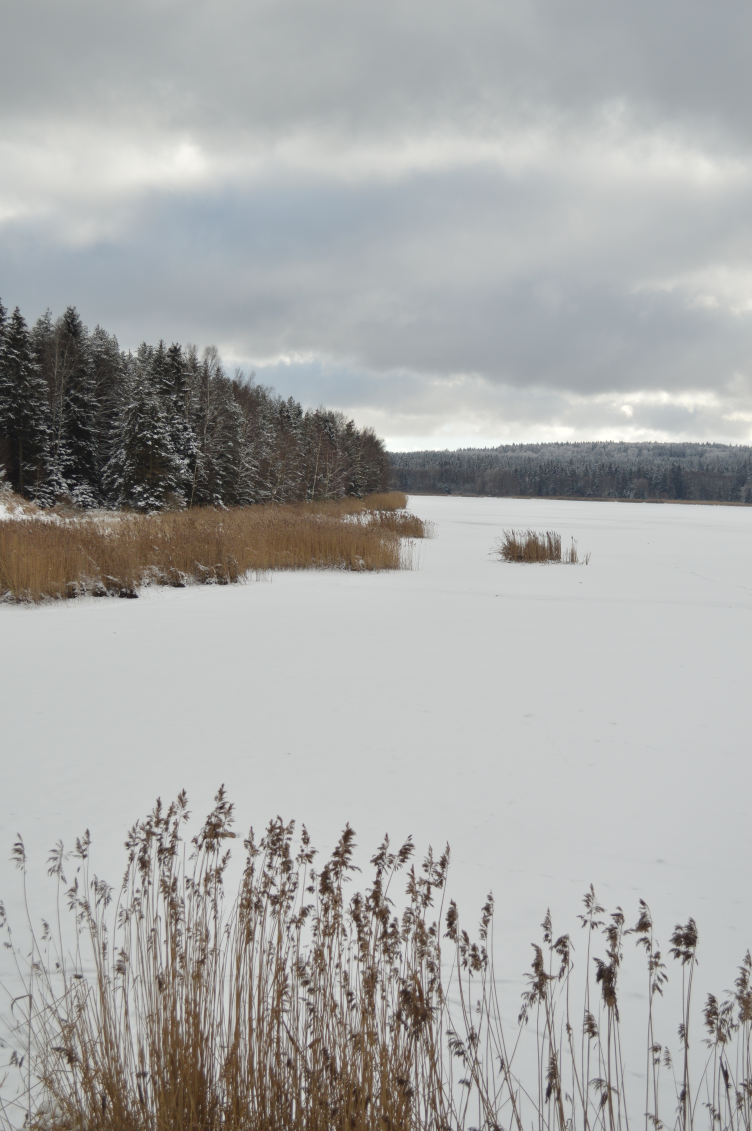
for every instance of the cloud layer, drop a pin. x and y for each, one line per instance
(463, 222)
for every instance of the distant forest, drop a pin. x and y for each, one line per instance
(83, 421)
(709, 472)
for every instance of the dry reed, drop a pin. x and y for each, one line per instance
(533, 546)
(296, 1008)
(45, 556)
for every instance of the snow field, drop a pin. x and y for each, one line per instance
(558, 725)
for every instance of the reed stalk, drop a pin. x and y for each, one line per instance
(299, 1004)
(45, 555)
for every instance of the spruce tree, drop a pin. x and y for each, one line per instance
(109, 371)
(257, 407)
(63, 351)
(82, 420)
(25, 427)
(144, 471)
(357, 477)
(288, 463)
(4, 389)
(376, 468)
(217, 425)
(173, 372)
(4, 400)
(79, 412)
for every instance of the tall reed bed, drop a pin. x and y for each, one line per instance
(53, 556)
(295, 1006)
(536, 546)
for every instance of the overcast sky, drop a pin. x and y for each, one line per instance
(461, 221)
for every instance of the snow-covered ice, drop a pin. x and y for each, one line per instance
(557, 725)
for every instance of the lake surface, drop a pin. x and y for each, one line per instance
(558, 725)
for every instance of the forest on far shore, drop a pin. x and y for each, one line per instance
(85, 422)
(597, 470)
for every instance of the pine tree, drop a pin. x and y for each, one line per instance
(25, 427)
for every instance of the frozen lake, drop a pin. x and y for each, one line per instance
(558, 725)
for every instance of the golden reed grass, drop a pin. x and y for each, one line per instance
(297, 1007)
(533, 546)
(52, 556)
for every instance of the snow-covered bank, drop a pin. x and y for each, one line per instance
(557, 724)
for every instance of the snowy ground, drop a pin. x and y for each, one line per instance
(558, 725)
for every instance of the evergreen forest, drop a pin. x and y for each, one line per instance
(84, 422)
(598, 470)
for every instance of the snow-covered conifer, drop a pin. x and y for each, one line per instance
(79, 412)
(258, 408)
(4, 388)
(64, 354)
(174, 385)
(357, 473)
(25, 425)
(144, 471)
(217, 425)
(287, 464)
(168, 425)
(109, 369)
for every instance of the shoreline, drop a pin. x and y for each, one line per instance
(579, 499)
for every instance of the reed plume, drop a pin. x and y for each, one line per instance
(300, 1005)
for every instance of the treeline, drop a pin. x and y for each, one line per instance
(703, 472)
(83, 421)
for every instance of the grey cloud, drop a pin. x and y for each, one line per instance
(270, 66)
(440, 276)
(575, 233)
(414, 411)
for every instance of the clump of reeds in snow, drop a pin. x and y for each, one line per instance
(535, 546)
(295, 1006)
(115, 553)
(402, 523)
